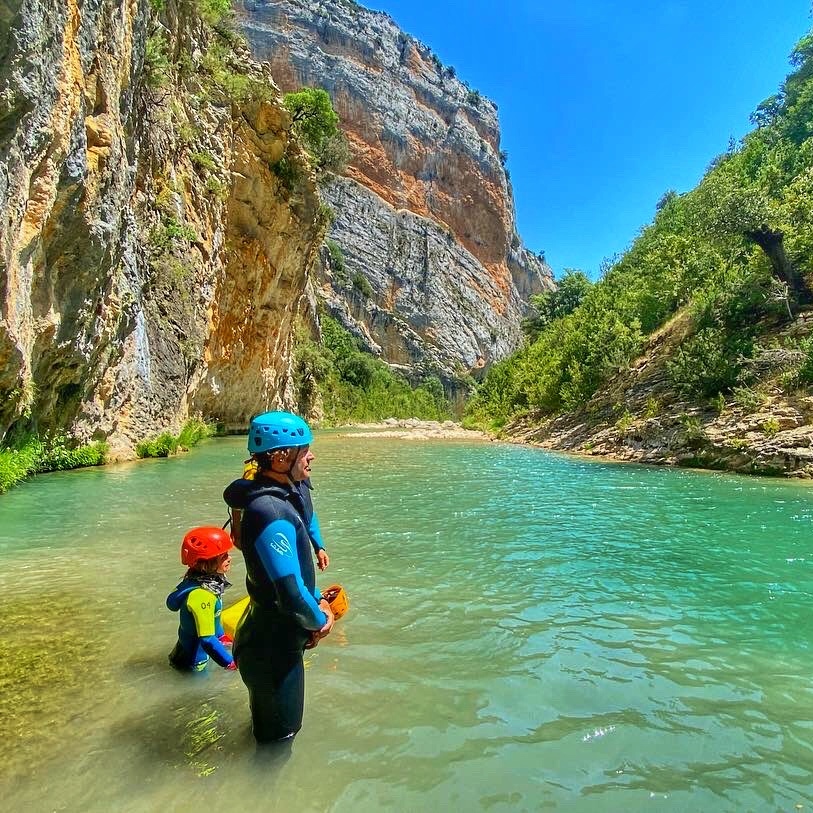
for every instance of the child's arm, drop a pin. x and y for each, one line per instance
(201, 603)
(315, 533)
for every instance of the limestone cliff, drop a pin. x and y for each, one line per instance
(435, 277)
(152, 260)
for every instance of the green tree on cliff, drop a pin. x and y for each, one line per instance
(316, 122)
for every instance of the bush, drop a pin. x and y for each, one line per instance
(58, 455)
(17, 463)
(805, 374)
(288, 172)
(708, 363)
(156, 61)
(362, 285)
(770, 426)
(163, 445)
(204, 160)
(166, 444)
(33, 455)
(213, 11)
(337, 262)
(193, 432)
(354, 386)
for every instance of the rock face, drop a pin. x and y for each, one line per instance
(434, 275)
(151, 261)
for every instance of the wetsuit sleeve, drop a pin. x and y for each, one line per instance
(315, 533)
(201, 603)
(276, 547)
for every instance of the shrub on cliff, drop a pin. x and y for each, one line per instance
(354, 386)
(213, 11)
(316, 122)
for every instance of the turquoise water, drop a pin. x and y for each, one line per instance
(527, 632)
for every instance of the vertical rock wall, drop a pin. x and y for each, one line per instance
(425, 214)
(151, 260)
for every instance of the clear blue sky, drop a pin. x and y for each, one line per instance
(605, 105)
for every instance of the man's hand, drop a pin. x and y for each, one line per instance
(322, 559)
(325, 607)
(317, 635)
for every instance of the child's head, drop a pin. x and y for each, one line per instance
(206, 550)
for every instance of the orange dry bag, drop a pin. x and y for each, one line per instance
(336, 597)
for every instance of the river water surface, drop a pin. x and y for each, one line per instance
(527, 632)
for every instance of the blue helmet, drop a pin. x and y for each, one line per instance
(277, 430)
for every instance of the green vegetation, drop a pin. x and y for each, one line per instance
(214, 11)
(224, 78)
(362, 285)
(156, 61)
(204, 160)
(33, 455)
(58, 452)
(316, 122)
(354, 386)
(165, 444)
(725, 261)
(337, 263)
(163, 236)
(551, 305)
(770, 426)
(288, 171)
(805, 374)
(216, 188)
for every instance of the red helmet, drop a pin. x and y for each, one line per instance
(204, 543)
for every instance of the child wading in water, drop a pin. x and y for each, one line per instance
(205, 551)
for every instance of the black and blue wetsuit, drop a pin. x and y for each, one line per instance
(275, 534)
(240, 489)
(200, 630)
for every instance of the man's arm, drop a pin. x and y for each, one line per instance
(276, 547)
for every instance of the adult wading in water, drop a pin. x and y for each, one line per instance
(286, 611)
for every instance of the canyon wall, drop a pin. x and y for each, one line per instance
(434, 277)
(152, 262)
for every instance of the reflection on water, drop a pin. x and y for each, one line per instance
(526, 632)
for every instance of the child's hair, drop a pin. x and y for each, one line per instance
(207, 567)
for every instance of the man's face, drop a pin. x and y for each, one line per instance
(301, 469)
